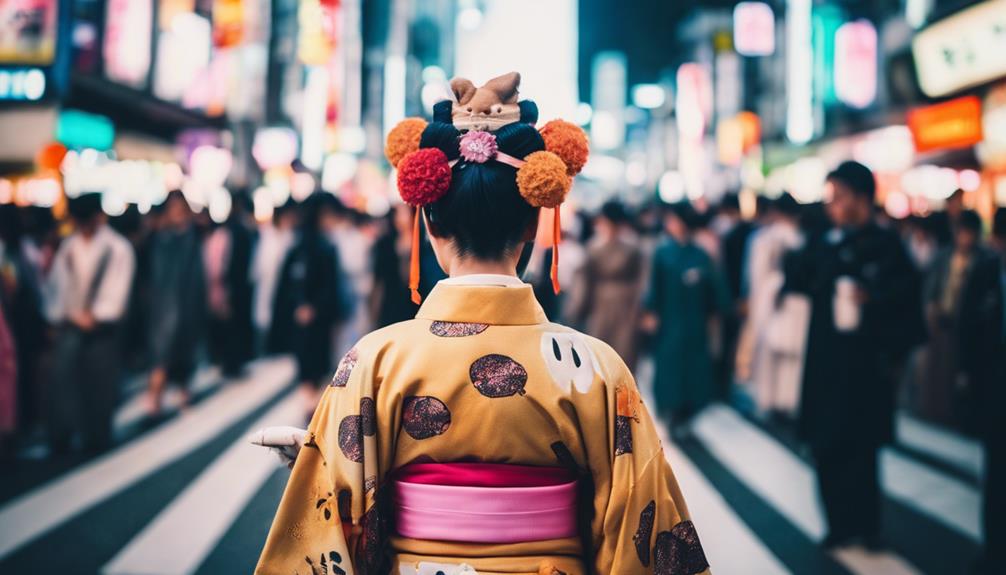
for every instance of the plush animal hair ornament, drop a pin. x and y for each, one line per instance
(544, 178)
(488, 108)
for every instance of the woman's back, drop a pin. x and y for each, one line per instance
(481, 376)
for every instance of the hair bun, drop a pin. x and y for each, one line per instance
(403, 139)
(569, 142)
(543, 180)
(424, 176)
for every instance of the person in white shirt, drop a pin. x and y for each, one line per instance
(86, 298)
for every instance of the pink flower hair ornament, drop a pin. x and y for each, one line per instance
(478, 147)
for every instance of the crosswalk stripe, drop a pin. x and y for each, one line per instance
(178, 540)
(945, 499)
(958, 451)
(135, 407)
(782, 479)
(55, 502)
(731, 547)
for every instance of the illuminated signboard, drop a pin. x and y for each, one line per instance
(856, 63)
(953, 124)
(80, 130)
(26, 84)
(127, 41)
(28, 31)
(754, 29)
(964, 50)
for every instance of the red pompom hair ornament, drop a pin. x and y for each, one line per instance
(424, 176)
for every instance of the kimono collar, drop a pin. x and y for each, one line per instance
(484, 280)
(498, 304)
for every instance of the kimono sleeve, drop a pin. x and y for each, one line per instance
(328, 520)
(644, 525)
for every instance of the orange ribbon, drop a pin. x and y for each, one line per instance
(414, 261)
(556, 237)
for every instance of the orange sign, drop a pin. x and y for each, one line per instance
(953, 124)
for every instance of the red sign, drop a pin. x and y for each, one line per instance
(953, 124)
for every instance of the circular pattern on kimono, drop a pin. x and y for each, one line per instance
(496, 375)
(457, 328)
(351, 437)
(370, 483)
(623, 435)
(424, 417)
(678, 551)
(346, 506)
(345, 369)
(368, 417)
(642, 536)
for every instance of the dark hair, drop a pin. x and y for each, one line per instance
(999, 222)
(730, 202)
(314, 208)
(857, 177)
(615, 212)
(971, 221)
(786, 204)
(85, 207)
(11, 225)
(482, 211)
(684, 211)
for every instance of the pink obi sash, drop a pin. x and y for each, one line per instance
(484, 502)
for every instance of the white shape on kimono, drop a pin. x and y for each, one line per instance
(425, 568)
(569, 359)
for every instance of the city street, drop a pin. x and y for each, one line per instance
(191, 495)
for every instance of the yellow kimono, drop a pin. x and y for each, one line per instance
(481, 375)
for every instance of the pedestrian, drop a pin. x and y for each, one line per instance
(391, 270)
(963, 320)
(532, 437)
(307, 297)
(686, 294)
(864, 320)
(605, 296)
(990, 395)
(734, 233)
(773, 342)
(21, 300)
(275, 241)
(175, 292)
(86, 298)
(228, 253)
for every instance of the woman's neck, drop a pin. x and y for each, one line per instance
(466, 267)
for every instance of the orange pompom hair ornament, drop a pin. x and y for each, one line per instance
(403, 139)
(569, 142)
(543, 182)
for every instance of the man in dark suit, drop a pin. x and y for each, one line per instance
(866, 316)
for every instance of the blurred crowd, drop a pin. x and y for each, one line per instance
(826, 318)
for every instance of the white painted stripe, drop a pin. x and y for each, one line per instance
(180, 538)
(784, 480)
(765, 466)
(135, 408)
(952, 448)
(730, 546)
(55, 502)
(946, 499)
